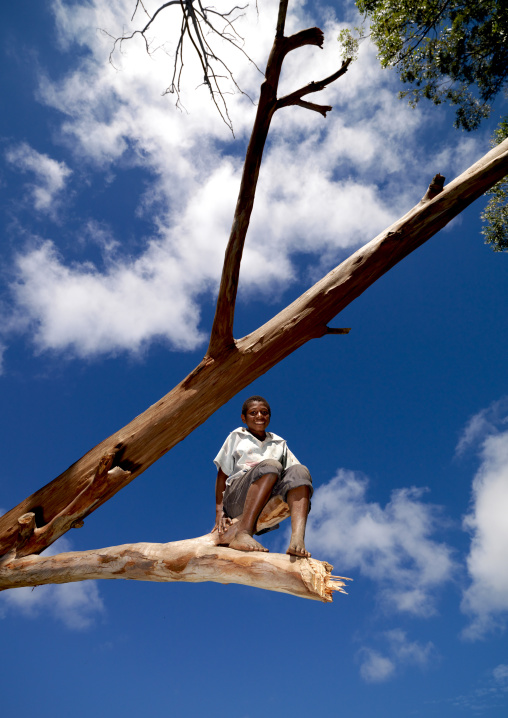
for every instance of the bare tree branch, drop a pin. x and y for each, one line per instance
(309, 36)
(195, 19)
(295, 97)
(221, 338)
(193, 560)
(337, 330)
(322, 109)
(281, 18)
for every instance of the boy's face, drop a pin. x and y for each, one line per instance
(257, 418)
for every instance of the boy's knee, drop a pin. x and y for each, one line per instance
(269, 466)
(299, 473)
(296, 476)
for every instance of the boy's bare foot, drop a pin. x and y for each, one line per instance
(245, 542)
(297, 548)
(236, 537)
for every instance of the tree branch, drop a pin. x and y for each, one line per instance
(281, 18)
(197, 27)
(215, 381)
(337, 330)
(294, 97)
(310, 36)
(221, 336)
(434, 188)
(322, 109)
(193, 560)
(32, 540)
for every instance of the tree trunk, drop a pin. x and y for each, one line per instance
(116, 461)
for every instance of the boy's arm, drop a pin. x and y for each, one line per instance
(221, 521)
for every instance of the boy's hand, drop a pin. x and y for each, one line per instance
(221, 522)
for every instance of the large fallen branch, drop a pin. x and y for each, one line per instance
(194, 560)
(82, 488)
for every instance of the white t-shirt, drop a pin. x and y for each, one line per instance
(242, 450)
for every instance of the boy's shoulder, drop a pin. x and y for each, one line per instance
(275, 437)
(241, 432)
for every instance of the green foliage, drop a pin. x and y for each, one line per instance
(495, 215)
(453, 51)
(350, 42)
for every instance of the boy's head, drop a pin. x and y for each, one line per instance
(251, 400)
(256, 415)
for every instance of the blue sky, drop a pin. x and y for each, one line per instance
(115, 212)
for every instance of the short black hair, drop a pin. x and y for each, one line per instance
(251, 400)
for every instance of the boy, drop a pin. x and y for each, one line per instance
(254, 465)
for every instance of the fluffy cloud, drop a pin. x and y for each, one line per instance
(375, 668)
(486, 598)
(50, 175)
(76, 605)
(133, 301)
(393, 546)
(318, 180)
(399, 653)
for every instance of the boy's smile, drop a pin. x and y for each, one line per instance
(257, 419)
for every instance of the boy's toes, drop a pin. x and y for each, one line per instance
(297, 550)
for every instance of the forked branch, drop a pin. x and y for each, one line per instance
(295, 98)
(195, 20)
(221, 338)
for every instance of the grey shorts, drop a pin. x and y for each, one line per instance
(236, 493)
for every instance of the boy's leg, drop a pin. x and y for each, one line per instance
(298, 502)
(240, 534)
(245, 500)
(295, 488)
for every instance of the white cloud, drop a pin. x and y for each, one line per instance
(399, 653)
(393, 546)
(500, 674)
(50, 175)
(408, 652)
(486, 598)
(76, 605)
(459, 157)
(375, 668)
(317, 182)
(486, 422)
(91, 312)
